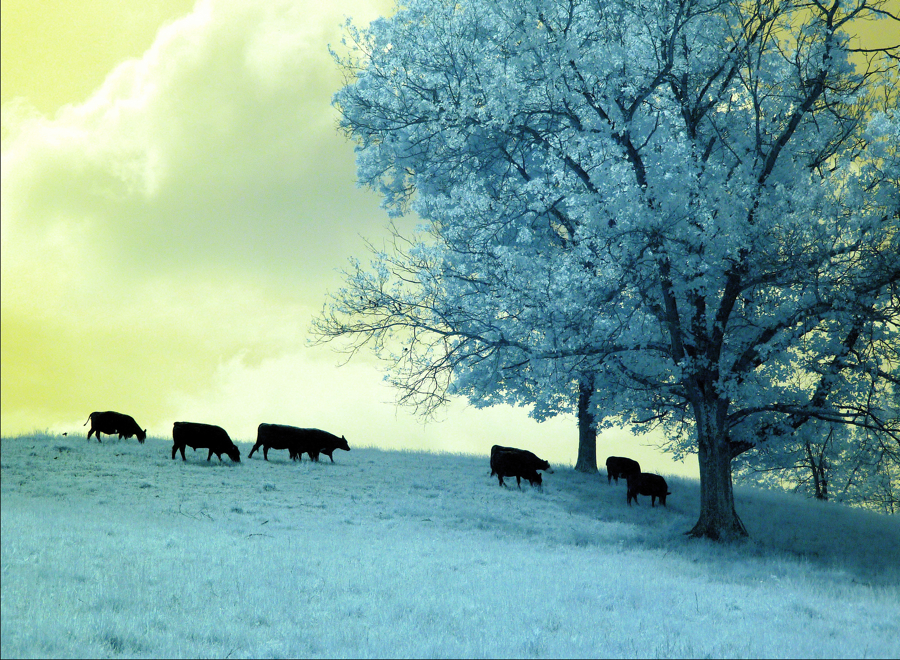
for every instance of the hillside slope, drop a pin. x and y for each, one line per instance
(115, 549)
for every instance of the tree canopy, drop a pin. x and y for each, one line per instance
(696, 202)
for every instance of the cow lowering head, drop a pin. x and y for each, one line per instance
(141, 435)
(234, 453)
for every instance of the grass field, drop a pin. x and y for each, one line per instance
(114, 549)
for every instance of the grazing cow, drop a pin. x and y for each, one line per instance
(617, 466)
(315, 442)
(297, 441)
(529, 458)
(642, 483)
(112, 423)
(203, 436)
(514, 464)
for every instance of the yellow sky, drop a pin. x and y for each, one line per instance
(56, 52)
(176, 204)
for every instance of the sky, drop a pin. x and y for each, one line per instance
(176, 204)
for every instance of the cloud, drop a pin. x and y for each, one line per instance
(217, 146)
(196, 207)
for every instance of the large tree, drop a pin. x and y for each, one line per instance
(694, 202)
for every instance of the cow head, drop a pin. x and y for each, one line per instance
(545, 466)
(234, 453)
(141, 435)
(344, 445)
(536, 480)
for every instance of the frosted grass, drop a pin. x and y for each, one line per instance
(116, 550)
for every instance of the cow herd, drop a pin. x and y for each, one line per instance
(505, 461)
(639, 483)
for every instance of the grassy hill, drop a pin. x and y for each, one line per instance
(114, 549)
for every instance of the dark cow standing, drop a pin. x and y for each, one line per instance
(528, 458)
(274, 436)
(112, 423)
(203, 436)
(297, 441)
(643, 483)
(514, 464)
(618, 466)
(315, 442)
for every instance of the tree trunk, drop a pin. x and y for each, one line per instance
(817, 468)
(718, 519)
(587, 428)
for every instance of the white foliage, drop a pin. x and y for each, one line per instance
(676, 198)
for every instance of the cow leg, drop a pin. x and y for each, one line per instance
(652, 501)
(255, 447)
(500, 479)
(519, 482)
(314, 456)
(174, 450)
(266, 452)
(182, 453)
(210, 455)
(331, 456)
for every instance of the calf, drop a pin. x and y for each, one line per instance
(315, 442)
(110, 423)
(527, 457)
(203, 436)
(513, 464)
(617, 466)
(642, 483)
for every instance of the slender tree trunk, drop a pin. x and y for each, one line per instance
(587, 427)
(817, 468)
(718, 519)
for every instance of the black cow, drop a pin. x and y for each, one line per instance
(313, 442)
(203, 436)
(528, 457)
(514, 464)
(617, 466)
(275, 436)
(297, 441)
(112, 423)
(643, 483)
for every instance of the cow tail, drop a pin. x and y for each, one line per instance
(88, 419)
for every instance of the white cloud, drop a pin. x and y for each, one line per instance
(218, 145)
(194, 208)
